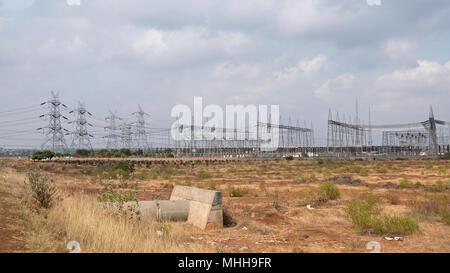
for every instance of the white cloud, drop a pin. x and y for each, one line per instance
(151, 40)
(73, 2)
(374, 2)
(338, 85)
(181, 46)
(427, 74)
(306, 67)
(399, 50)
(412, 88)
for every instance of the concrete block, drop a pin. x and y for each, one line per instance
(205, 206)
(200, 207)
(168, 210)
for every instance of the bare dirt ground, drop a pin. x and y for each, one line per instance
(11, 228)
(269, 214)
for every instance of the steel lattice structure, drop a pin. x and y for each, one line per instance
(140, 134)
(418, 136)
(81, 136)
(54, 132)
(113, 132)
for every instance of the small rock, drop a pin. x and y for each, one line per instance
(243, 248)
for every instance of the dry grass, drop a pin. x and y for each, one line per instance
(271, 217)
(80, 218)
(98, 230)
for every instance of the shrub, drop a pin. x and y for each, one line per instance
(432, 206)
(82, 153)
(204, 174)
(395, 225)
(41, 155)
(362, 211)
(328, 191)
(445, 215)
(123, 168)
(111, 195)
(365, 214)
(236, 191)
(125, 152)
(363, 172)
(404, 183)
(290, 157)
(42, 191)
(212, 185)
(446, 156)
(308, 197)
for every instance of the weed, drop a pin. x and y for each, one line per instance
(42, 190)
(365, 214)
(433, 205)
(404, 183)
(236, 191)
(212, 185)
(328, 191)
(204, 174)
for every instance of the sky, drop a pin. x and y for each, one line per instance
(305, 55)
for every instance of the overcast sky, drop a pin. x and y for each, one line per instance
(305, 55)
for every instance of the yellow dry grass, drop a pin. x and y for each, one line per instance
(80, 218)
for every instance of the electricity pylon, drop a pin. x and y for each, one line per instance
(113, 136)
(80, 134)
(141, 133)
(55, 140)
(126, 135)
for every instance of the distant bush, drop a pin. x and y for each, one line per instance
(204, 174)
(82, 153)
(125, 152)
(120, 169)
(395, 225)
(433, 205)
(41, 189)
(365, 214)
(439, 186)
(41, 155)
(446, 156)
(363, 172)
(445, 215)
(329, 191)
(117, 195)
(236, 191)
(317, 196)
(212, 185)
(290, 157)
(123, 168)
(362, 211)
(404, 183)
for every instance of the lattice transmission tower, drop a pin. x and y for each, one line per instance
(81, 136)
(113, 134)
(141, 136)
(54, 132)
(126, 135)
